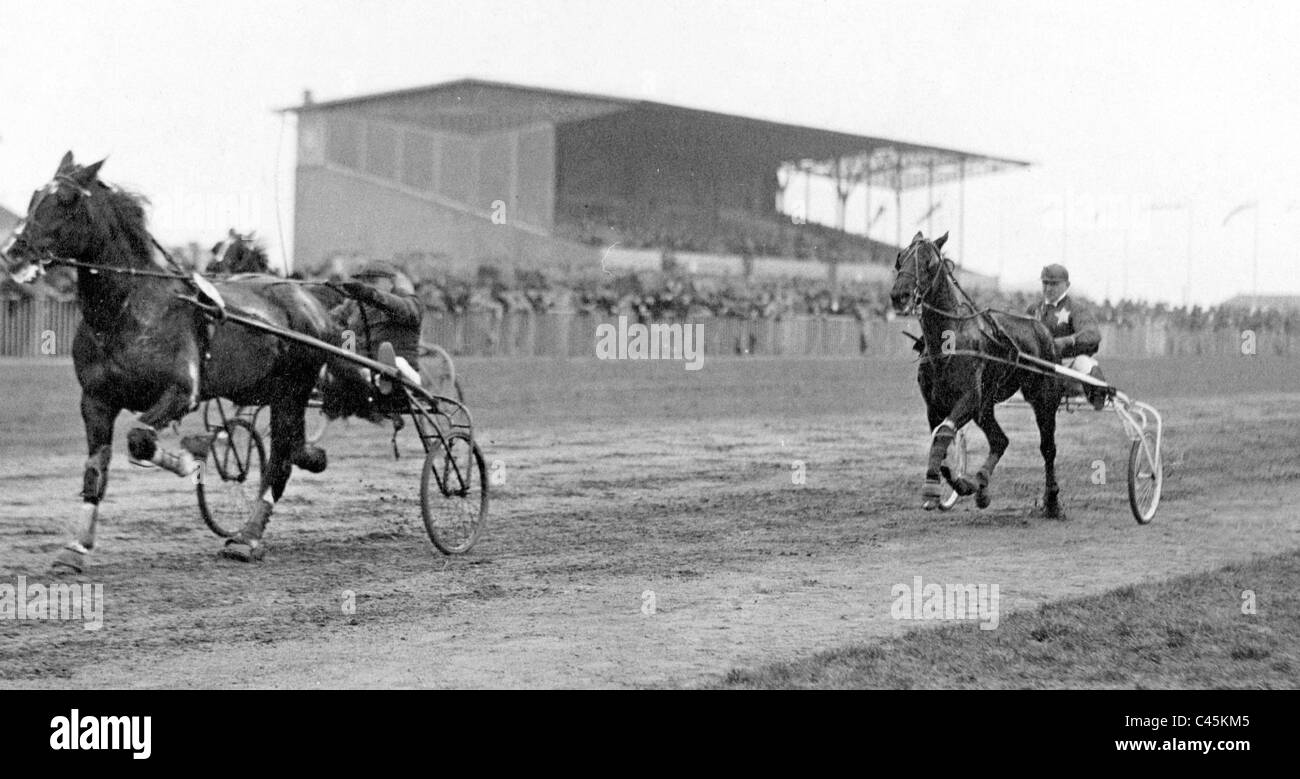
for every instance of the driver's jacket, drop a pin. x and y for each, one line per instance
(1072, 325)
(393, 318)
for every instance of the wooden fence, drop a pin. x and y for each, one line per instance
(32, 328)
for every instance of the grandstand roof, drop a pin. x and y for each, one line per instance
(475, 106)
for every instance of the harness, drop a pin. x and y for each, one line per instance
(984, 316)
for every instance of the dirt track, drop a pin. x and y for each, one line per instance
(623, 478)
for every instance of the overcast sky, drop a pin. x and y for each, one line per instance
(1142, 119)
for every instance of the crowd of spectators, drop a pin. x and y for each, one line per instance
(669, 295)
(658, 296)
(723, 231)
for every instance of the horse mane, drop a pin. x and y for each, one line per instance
(123, 216)
(257, 252)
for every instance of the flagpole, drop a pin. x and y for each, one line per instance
(1254, 282)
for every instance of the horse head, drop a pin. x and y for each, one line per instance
(917, 270)
(239, 253)
(59, 221)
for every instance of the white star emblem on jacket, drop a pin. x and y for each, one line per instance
(1062, 316)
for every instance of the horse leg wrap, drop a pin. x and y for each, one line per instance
(940, 440)
(246, 546)
(931, 494)
(945, 432)
(182, 464)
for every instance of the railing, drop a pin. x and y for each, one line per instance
(33, 328)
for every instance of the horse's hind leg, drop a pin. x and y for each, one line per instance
(998, 442)
(1045, 403)
(287, 437)
(98, 418)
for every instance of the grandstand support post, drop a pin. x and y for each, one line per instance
(782, 184)
(807, 191)
(843, 186)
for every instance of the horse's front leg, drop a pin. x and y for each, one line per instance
(940, 440)
(142, 442)
(98, 418)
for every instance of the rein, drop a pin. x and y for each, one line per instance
(95, 269)
(982, 314)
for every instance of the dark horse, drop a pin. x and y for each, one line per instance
(140, 347)
(238, 253)
(960, 386)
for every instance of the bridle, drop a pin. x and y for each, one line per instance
(918, 296)
(44, 257)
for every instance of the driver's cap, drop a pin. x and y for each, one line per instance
(1055, 272)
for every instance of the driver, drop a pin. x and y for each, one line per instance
(392, 313)
(1074, 330)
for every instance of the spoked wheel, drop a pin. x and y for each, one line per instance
(956, 460)
(1146, 477)
(454, 494)
(230, 478)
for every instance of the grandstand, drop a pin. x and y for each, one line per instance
(471, 172)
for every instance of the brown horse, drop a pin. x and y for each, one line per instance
(965, 371)
(140, 347)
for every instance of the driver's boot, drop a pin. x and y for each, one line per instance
(1096, 395)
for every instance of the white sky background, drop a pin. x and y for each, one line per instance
(1121, 106)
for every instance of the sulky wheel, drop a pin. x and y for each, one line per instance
(454, 494)
(956, 460)
(1145, 478)
(230, 478)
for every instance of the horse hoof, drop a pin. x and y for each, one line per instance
(982, 499)
(311, 459)
(1048, 512)
(242, 551)
(68, 562)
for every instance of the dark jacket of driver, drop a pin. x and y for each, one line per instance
(392, 317)
(1073, 327)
